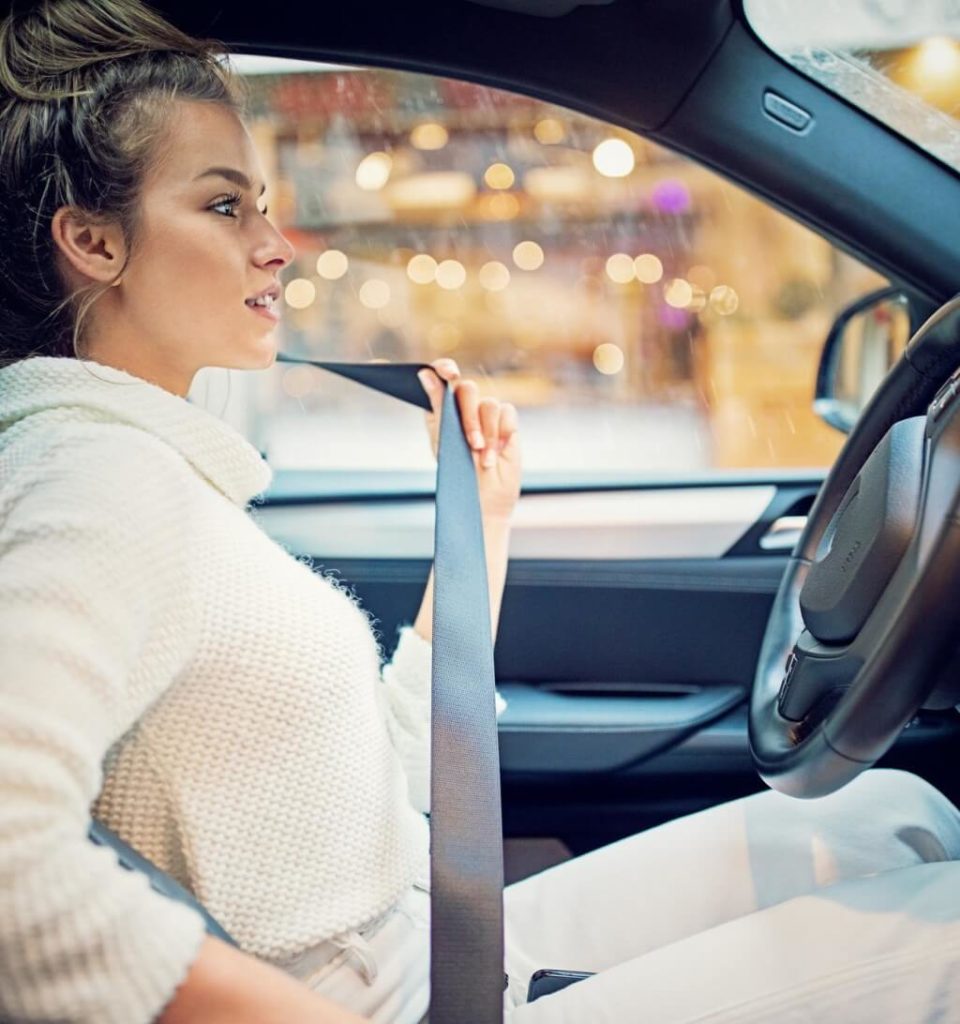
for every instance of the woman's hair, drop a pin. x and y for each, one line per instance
(86, 87)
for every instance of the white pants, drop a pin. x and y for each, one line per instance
(844, 909)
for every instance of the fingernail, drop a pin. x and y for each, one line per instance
(476, 439)
(489, 458)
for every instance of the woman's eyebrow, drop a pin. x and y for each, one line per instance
(237, 177)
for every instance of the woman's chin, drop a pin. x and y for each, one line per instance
(270, 355)
(263, 353)
(257, 352)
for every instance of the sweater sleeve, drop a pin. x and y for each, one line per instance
(405, 698)
(94, 623)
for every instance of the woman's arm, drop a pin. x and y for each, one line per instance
(496, 541)
(227, 986)
(405, 693)
(490, 427)
(95, 621)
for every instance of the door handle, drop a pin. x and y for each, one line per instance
(783, 533)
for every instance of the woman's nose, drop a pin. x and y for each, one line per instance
(288, 250)
(276, 247)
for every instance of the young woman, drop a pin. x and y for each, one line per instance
(222, 707)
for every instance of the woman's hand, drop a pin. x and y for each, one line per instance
(490, 427)
(227, 986)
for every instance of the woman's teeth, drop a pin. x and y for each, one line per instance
(265, 300)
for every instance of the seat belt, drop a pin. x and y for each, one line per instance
(466, 830)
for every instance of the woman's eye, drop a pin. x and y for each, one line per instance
(231, 201)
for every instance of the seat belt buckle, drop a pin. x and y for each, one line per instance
(548, 981)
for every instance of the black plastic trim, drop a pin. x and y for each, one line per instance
(543, 731)
(851, 178)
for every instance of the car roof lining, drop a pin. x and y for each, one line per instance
(637, 59)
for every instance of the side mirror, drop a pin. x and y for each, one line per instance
(866, 339)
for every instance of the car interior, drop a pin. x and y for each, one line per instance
(627, 675)
(672, 640)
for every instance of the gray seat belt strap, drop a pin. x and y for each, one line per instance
(466, 829)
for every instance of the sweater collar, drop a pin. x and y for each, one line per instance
(215, 450)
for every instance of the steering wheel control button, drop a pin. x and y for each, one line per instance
(869, 533)
(786, 113)
(814, 670)
(787, 676)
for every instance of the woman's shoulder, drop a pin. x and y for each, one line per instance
(50, 443)
(90, 465)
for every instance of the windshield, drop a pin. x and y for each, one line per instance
(899, 60)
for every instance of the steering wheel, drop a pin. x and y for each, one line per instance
(865, 627)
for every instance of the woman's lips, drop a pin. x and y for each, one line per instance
(272, 315)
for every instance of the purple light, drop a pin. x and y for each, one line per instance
(675, 319)
(671, 196)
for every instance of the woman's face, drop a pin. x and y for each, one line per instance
(205, 248)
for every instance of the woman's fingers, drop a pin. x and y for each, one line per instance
(488, 424)
(446, 368)
(467, 396)
(433, 388)
(508, 424)
(489, 414)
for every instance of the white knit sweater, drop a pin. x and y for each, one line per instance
(168, 666)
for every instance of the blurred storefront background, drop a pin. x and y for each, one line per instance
(643, 314)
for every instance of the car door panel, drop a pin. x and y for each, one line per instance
(625, 675)
(608, 664)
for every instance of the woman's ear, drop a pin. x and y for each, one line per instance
(94, 251)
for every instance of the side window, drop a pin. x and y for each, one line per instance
(644, 315)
